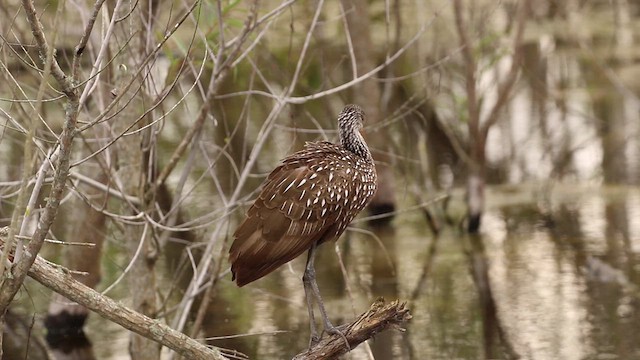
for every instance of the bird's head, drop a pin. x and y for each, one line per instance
(350, 121)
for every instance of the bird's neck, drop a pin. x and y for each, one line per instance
(354, 142)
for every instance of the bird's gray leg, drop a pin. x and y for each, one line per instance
(308, 277)
(310, 285)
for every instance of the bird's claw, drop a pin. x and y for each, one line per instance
(330, 330)
(333, 330)
(315, 339)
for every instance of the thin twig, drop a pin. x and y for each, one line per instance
(43, 47)
(10, 286)
(79, 50)
(35, 193)
(334, 90)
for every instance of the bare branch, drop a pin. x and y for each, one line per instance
(352, 55)
(206, 106)
(347, 85)
(95, 70)
(469, 69)
(305, 46)
(35, 193)
(60, 280)
(505, 87)
(85, 38)
(378, 318)
(11, 285)
(43, 47)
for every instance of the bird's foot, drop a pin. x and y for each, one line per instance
(330, 330)
(333, 330)
(314, 340)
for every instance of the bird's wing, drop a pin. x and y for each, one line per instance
(298, 206)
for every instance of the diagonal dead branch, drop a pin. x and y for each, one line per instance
(60, 280)
(378, 318)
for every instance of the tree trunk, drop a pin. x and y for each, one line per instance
(135, 165)
(138, 238)
(475, 201)
(478, 126)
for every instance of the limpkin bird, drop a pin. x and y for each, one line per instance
(309, 199)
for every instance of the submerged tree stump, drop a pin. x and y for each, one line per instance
(378, 318)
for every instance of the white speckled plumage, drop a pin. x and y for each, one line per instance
(300, 202)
